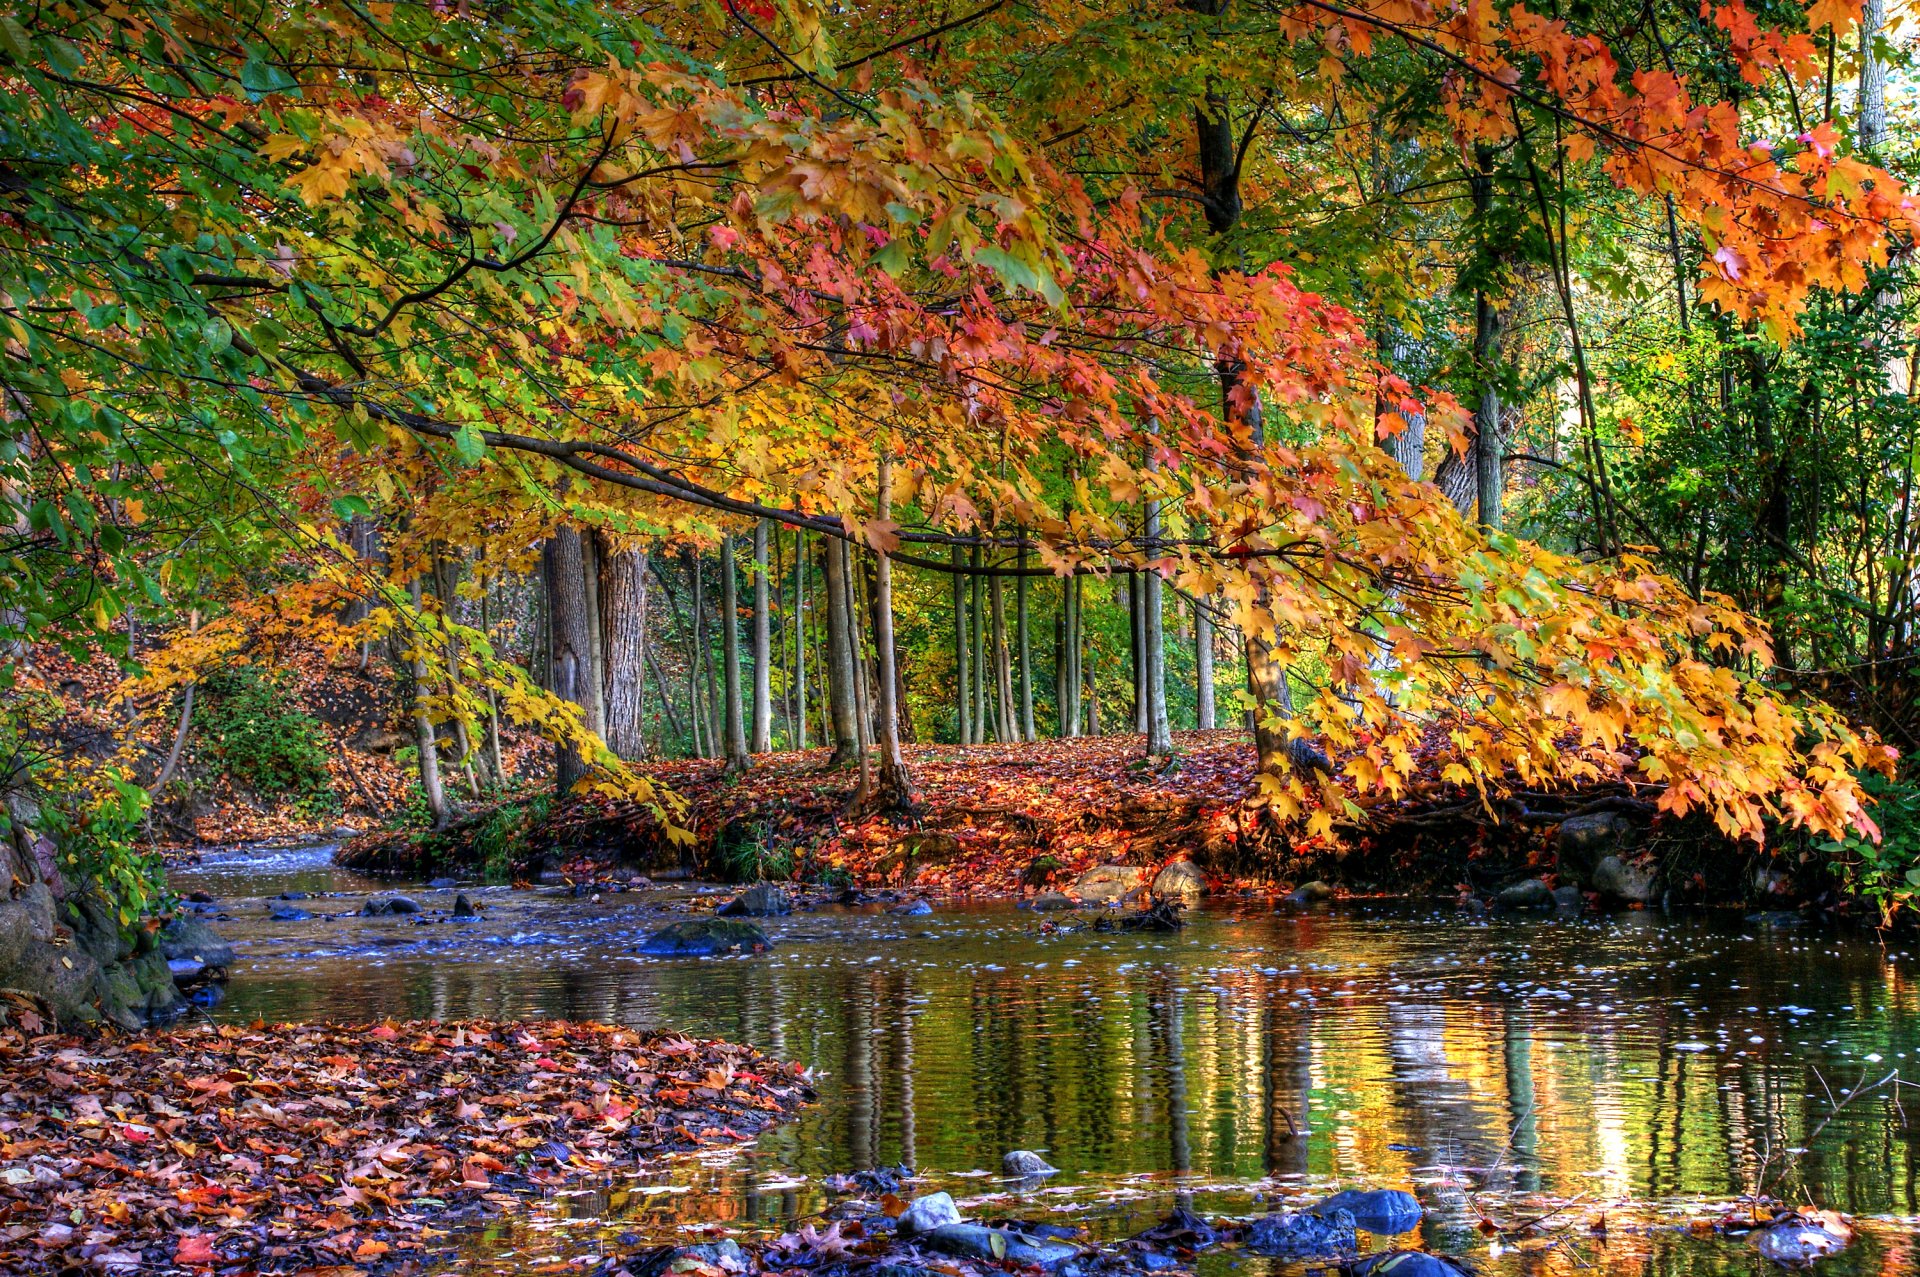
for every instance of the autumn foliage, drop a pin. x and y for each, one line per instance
(483, 279)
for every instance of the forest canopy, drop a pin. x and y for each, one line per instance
(1498, 398)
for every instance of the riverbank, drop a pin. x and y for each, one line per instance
(1008, 821)
(337, 1147)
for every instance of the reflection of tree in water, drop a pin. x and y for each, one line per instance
(1184, 1055)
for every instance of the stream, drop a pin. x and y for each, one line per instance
(1640, 1068)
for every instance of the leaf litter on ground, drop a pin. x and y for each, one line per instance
(338, 1148)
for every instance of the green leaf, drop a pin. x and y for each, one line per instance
(260, 77)
(347, 507)
(14, 39)
(469, 444)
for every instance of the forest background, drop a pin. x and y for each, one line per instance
(412, 408)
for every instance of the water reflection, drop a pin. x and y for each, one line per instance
(1632, 1059)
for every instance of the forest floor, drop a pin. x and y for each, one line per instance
(993, 821)
(337, 1148)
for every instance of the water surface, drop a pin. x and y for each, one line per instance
(1650, 1068)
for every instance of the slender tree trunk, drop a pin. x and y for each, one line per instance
(962, 673)
(736, 738)
(762, 740)
(979, 654)
(1203, 666)
(1153, 647)
(446, 588)
(1067, 673)
(696, 660)
(862, 702)
(1023, 642)
(1871, 129)
(799, 639)
(496, 759)
(840, 667)
(438, 809)
(570, 653)
(1002, 673)
(896, 787)
(1137, 651)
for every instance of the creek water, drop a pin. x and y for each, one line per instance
(1639, 1068)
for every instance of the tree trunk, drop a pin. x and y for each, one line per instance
(425, 737)
(840, 668)
(1092, 683)
(762, 740)
(570, 646)
(895, 792)
(496, 759)
(446, 588)
(1871, 129)
(1023, 643)
(979, 655)
(736, 738)
(1066, 675)
(702, 732)
(1003, 722)
(623, 623)
(1203, 667)
(799, 639)
(1137, 632)
(962, 673)
(1154, 651)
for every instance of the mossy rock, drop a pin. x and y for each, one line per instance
(700, 937)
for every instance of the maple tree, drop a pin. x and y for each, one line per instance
(667, 274)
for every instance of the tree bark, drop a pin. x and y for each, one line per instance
(571, 623)
(840, 668)
(1205, 712)
(1023, 642)
(762, 739)
(438, 810)
(1871, 129)
(1067, 671)
(799, 639)
(1003, 721)
(962, 671)
(736, 734)
(623, 622)
(895, 792)
(979, 654)
(702, 733)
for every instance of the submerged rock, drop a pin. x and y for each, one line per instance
(1180, 880)
(1799, 1240)
(288, 914)
(924, 1214)
(1305, 1235)
(1021, 1162)
(1407, 1263)
(1569, 899)
(1385, 1211)
(463, 907)
(1620, 880)
(695, 937)
(391, 905)
(761, 900)
(724, 1254)
(1528, 893)
(1108, 884)
(912, 908)
(977, 1241)
(1052, 902)
(190, 940)
(1311, 893)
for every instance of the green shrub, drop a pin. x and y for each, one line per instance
(96, 832)
(1886, 873)
(264, 742)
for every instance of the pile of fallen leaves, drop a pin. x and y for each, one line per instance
(298, 1148)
